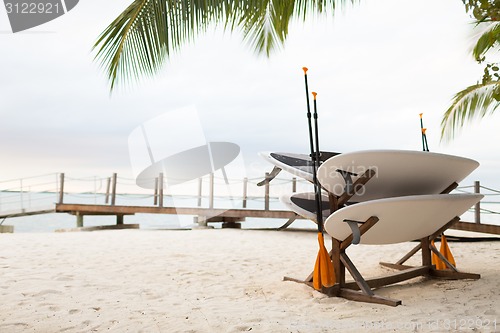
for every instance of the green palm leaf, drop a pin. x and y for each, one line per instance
(488, 39)
(475, 101)
(139, 40)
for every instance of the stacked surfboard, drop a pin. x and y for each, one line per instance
(408, 191)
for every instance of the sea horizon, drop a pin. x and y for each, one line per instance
(50, 222)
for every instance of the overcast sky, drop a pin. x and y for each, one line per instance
(375, 66)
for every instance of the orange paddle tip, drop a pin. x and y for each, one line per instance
(420, 114)
(305, 69)
(423, 130)
(314, 94)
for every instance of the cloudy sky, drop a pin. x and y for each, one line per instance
(375, 66)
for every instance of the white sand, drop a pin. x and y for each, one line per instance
(223, 281)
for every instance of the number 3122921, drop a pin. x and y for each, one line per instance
(33, 8)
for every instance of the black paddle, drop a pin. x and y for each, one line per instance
(425, 146)
(324, 274)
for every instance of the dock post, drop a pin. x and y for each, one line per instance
(294, 185)
(61, 188)
(21, 192)
(266, 195)
(119, 219)
(155, 200)
(113, 190)
(160, 190)
(79, 220)
(245, 185)
(477, 207)
(211, 198)
(108, 184)
(200, 183)
(202, 222)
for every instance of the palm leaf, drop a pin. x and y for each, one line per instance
(475, 101)
(265, 27)
(139, 40)
(488, 39)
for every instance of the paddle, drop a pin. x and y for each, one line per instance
(422, 131)
(323, 269)
(425, 146)
(444, 249)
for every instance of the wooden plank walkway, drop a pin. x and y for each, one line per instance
(27, 212)
(85, 209)
(233, 213)
(477, 227)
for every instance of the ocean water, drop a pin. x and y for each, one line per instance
(12, 201)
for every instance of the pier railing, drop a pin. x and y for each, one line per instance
(40, 192)
(30, 195)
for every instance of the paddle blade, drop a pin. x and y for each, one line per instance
(317, 274)
(445, 251)
(436, 261)
(324, 274)
(305, 70)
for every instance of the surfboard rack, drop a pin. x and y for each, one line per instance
(271, 176)
(362, 290)
(426, 248)
(411, 190)
(356, 233)
(349, 186)
(340, 201)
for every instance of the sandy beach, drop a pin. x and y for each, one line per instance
(223, 281)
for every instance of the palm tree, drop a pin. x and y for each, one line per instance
(482, 98)
(140, 39)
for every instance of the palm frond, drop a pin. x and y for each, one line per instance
(488, 39)
(139, 40)
(265, 26)
(475, 101)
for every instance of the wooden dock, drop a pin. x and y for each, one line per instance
(227, 216)
(85, 209)
(231, 217)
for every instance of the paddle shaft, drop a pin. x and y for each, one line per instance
(319, 214)
(316, 166)
(425, 146)
(422, 132)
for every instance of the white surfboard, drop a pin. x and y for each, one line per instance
(398, 172)
(299, 165)
(304, 204)
(401, 219)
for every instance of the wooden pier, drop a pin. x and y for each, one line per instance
(230, 217)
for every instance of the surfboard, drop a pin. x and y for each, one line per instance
(304, 204)
(401, 219)
(299, 165)
(398, 172)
